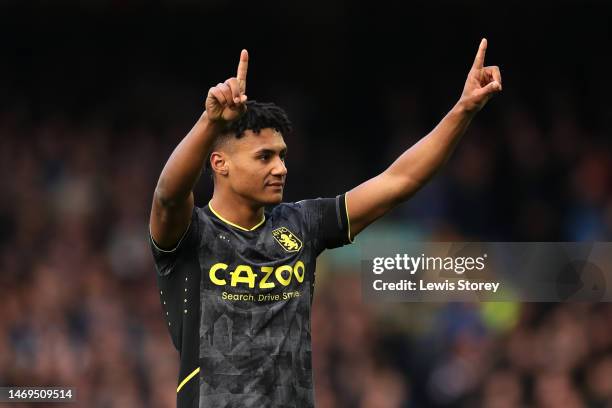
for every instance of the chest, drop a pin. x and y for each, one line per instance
(273, 260)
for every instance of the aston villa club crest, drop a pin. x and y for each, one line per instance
(287, 239)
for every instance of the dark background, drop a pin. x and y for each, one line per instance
(96, 94)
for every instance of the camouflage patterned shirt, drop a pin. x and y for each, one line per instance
(237, 303)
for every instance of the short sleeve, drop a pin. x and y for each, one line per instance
(166, 260)
(327, 220)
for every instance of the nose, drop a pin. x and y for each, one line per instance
(279, 168)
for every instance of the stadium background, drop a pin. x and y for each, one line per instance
(95, 95)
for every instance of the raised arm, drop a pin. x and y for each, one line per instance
(374, 198)
(173, 199)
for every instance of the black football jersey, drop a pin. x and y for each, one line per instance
(237, 303)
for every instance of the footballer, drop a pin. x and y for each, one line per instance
(235, 279)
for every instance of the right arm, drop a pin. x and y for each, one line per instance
(173, 198)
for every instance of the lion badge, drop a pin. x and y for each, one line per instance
(287, 239)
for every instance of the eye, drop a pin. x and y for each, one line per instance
(264, 157)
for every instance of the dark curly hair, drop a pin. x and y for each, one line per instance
(258, 116)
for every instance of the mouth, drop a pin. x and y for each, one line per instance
(275, 184)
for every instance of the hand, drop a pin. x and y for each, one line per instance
(227, 101)
(482, 82)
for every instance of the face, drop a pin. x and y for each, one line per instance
(255, 166)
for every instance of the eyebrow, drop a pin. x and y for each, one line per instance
(271, 151)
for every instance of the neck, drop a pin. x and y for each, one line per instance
(237, 210)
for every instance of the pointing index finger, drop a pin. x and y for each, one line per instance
(480, 55)
(243, 65)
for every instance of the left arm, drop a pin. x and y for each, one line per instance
(374, 198)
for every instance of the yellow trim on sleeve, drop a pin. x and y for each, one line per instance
(189, 377)
(348, 220)
(232, 224)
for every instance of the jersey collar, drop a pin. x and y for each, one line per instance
(235, 225)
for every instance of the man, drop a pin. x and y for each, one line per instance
(236, 282)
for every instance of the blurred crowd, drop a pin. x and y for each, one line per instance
(496, 355)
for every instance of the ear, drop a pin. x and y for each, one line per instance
(218, 163)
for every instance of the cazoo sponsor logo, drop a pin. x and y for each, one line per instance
(266, 278)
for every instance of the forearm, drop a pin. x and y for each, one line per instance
(183, 168)
(419, 163)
